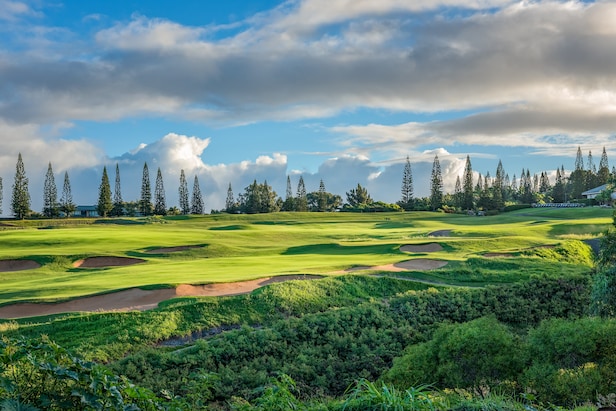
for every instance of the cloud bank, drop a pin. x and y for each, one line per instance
(487, 73)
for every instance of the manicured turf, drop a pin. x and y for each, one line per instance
(240, 247)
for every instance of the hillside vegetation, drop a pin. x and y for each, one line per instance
(489, 324)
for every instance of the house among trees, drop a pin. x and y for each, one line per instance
(86, 211)
(602, 194)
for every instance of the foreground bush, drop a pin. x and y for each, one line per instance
(562, 361)
(39, 374)
(478, 353)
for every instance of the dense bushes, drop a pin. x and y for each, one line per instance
(478, 353)
(562, 361)
(325, 352)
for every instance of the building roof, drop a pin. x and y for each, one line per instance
(86, 208)
(594, 191)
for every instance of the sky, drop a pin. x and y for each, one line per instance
(341, 91)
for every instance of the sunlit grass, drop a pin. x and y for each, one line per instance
(242, 247)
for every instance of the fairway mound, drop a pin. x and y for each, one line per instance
(136, 299)
(17, 265)
(421, 248)
(440, 233)
(165, 250)
(102, 262)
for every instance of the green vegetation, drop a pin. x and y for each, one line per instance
(509, 332)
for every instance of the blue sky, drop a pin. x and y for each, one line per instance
(337, 90)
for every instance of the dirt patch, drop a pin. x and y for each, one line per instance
(18, 265)
(138, 299)
(418, 264)
(421, 248)
(498, 255)
(165, 250)
(101, 262)
(440, 233)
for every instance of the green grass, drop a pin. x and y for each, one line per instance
(241, 247)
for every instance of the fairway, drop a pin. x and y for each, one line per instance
(76, 258)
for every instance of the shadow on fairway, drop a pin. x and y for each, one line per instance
(337, 249)
(229, 227)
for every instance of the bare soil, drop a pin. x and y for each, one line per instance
(101, 262)
(421, 248)
(440, 233)
(17, 265)
(498, 255)
(418, 264)
(137, 299)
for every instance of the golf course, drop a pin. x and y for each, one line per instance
(161, 298)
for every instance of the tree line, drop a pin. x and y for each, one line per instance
(494, 193)
(107, 205)
(485, 193)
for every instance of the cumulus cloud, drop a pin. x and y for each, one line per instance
(523, 56)
(516, 74)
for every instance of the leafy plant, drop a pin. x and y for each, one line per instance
(39, 374)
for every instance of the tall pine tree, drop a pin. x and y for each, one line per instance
(66, 201)
(498, 196)
(118, 203)
(406, 202)
(467, 186)
(196, 206)
(289, 203)
(603, 175)
(436, 185)
(457, 193)
(322, 199)
(50, 194)
(160, 202)
(301, 203)
(577, 178)
(591, 173)
(183, 194)
(230, 201)
(104, 196)
(145, 203)
(20, 203)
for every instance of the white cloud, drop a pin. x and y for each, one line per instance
(148, 34)
(13, 10)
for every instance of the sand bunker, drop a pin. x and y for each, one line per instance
(440, 233)
(18, 265)
(101, 262)
(421, 248)
(138, 299)
(165, 250)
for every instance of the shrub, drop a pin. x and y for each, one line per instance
(39, 374)
(482, 352)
